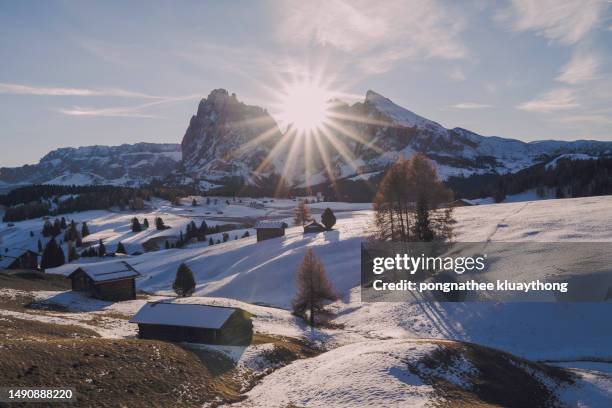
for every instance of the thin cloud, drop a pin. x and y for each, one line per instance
(563, 21)
(19, 89)
(376, 36)
(555, 100)
(470, 105)
(583, 67)
(123, 111)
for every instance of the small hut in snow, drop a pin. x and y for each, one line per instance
(269, 229)
(107, 281)
(18, 258)
(313, 227)
(194, 323)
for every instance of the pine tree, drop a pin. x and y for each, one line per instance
(210, 241)
(328, 218)
(53, 255)
(246, 234)
(120, 248)
(184, 283)
(194, 202)
(47, 230)
(225, 237)
(57, 228)
(84, 230)
(301, 214)
(136, 225)
(101, 249)
(145, 223)
(72, 252)
(167, 245)
(313, 287)
(63, 223)
(159, 224)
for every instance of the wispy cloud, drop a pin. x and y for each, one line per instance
(563, 21)
(583, 67)
(555, 100)
(376, 36)
(19, 89)
(138, 111)
(470, 105)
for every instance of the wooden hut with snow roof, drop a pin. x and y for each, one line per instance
(269, 229)
(18, 258)
(113, 281)
(194, 323)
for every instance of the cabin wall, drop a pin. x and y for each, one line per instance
(237, 330)
(116, 290)
(81, 282)
(268, 233)
(26, 261)
(178, 334)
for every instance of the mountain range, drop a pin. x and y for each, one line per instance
(230, 141)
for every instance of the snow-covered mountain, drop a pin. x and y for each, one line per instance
(229, 141)
(121, 165)
(227, 138)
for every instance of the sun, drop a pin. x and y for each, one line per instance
(305, 107)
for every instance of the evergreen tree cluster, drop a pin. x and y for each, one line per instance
(53, 255)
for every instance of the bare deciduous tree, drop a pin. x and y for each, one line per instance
(408, 203)
(313, 287)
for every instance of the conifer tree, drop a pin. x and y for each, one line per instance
(313, 287)
(136, 225)
(210, 241)
(184, 283)
(328, 218)
(301, 214)
(120, 248)
(84, 230)
(53, 255)
(63, 223)
(101, 249)
(145, 223)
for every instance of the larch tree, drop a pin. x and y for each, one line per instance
(407, 204)
(313, 287)
(301, 214)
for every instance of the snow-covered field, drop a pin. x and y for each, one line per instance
(373, 337)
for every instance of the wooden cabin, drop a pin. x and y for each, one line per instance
(194, 323)
(112, 281)
(313, 227)
(269, 229)
(18, 258)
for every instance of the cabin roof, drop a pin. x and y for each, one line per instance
(183, 314)
(108, 271)
(9, 256)
(270, 224)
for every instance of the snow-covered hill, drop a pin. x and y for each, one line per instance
(128, 165)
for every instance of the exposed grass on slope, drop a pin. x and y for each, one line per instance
(497, 379)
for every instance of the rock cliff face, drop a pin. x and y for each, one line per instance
(227, 138)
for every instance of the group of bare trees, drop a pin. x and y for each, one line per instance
(408, 203)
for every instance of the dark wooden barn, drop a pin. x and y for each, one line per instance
(194, 323)
(17, 258)
(108, 281)
(269, 229)
(313, 227)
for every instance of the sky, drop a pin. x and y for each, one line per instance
(111, 72)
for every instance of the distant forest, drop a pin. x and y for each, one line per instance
(568, 178)
(40, 200)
